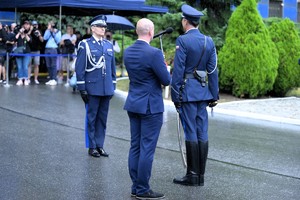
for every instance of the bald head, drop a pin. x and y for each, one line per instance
(145, 29)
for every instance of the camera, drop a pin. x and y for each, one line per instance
(53, 25)
(17, 29)
(36, 33)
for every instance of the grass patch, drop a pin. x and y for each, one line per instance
(123, 85)
(295, 92)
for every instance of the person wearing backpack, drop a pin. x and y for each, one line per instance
(67, 43)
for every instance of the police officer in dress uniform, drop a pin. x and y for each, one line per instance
(195, 54)
(147, 71)
(96, 81)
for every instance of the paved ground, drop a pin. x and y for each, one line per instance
(42, 154)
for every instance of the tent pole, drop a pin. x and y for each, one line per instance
(122, 67)
(60, 11)
(16, 10)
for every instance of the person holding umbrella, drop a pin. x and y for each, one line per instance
(96, 80)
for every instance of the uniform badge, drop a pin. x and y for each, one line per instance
(177, 47)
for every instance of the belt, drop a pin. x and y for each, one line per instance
(189, 75)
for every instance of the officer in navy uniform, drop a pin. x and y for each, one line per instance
(195, 54)
(147, 71)
(96, 81)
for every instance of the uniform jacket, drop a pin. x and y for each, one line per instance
(100, 81)
(147, 72)
(187, 56)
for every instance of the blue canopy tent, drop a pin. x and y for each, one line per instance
(82, 7)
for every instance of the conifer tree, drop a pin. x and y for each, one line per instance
(287, 41)
(248, 61)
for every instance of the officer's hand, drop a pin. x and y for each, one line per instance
(177, 105)
(212, 104)
(84, 96)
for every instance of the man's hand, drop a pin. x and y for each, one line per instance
(84, 96)
(212, 103)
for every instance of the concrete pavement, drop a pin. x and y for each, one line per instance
(43, 154)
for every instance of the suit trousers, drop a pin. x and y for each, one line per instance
(194, 119)
(145, 129)
(97, 112)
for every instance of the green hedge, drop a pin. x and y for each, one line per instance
(286, 39)
(248, 61)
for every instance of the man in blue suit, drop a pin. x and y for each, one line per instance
(194, 87)
(147, 72)
(96, 81)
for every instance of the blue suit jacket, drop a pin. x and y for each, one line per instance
(147, 71)
(98, 82)
(188, 52)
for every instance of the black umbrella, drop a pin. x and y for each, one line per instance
(116, 22)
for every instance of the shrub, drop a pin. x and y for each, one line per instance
(248, 61)
(286, 39)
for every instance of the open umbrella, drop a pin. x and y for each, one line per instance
(116, 22)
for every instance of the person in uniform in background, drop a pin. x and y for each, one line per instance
(194, 87)
(96, 80)
(35, 47)
(109, 37)
(147, 72)
(53, 37)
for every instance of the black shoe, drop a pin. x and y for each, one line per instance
(150, 195)
(102, 152)
(189, 179)
(93, 152)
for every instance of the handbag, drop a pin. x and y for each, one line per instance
(198, 74)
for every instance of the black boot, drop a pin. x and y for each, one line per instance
(203, 151)
(192, 174)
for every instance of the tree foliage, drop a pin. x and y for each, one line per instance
(248, 61)
(287, 41)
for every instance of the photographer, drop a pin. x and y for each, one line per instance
(3, 38)
(53, 37)
(35, 46)
(68, 41)
(23, 39)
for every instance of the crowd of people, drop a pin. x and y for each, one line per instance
(29, 47)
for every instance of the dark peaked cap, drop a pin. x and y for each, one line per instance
(190, 13)
(99, 20)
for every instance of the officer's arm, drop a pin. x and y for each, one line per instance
(212, 72)
(178, 69)
(160, 69)
(80, 66)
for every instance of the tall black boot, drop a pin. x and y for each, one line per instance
(192, 173)
(203, 151)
